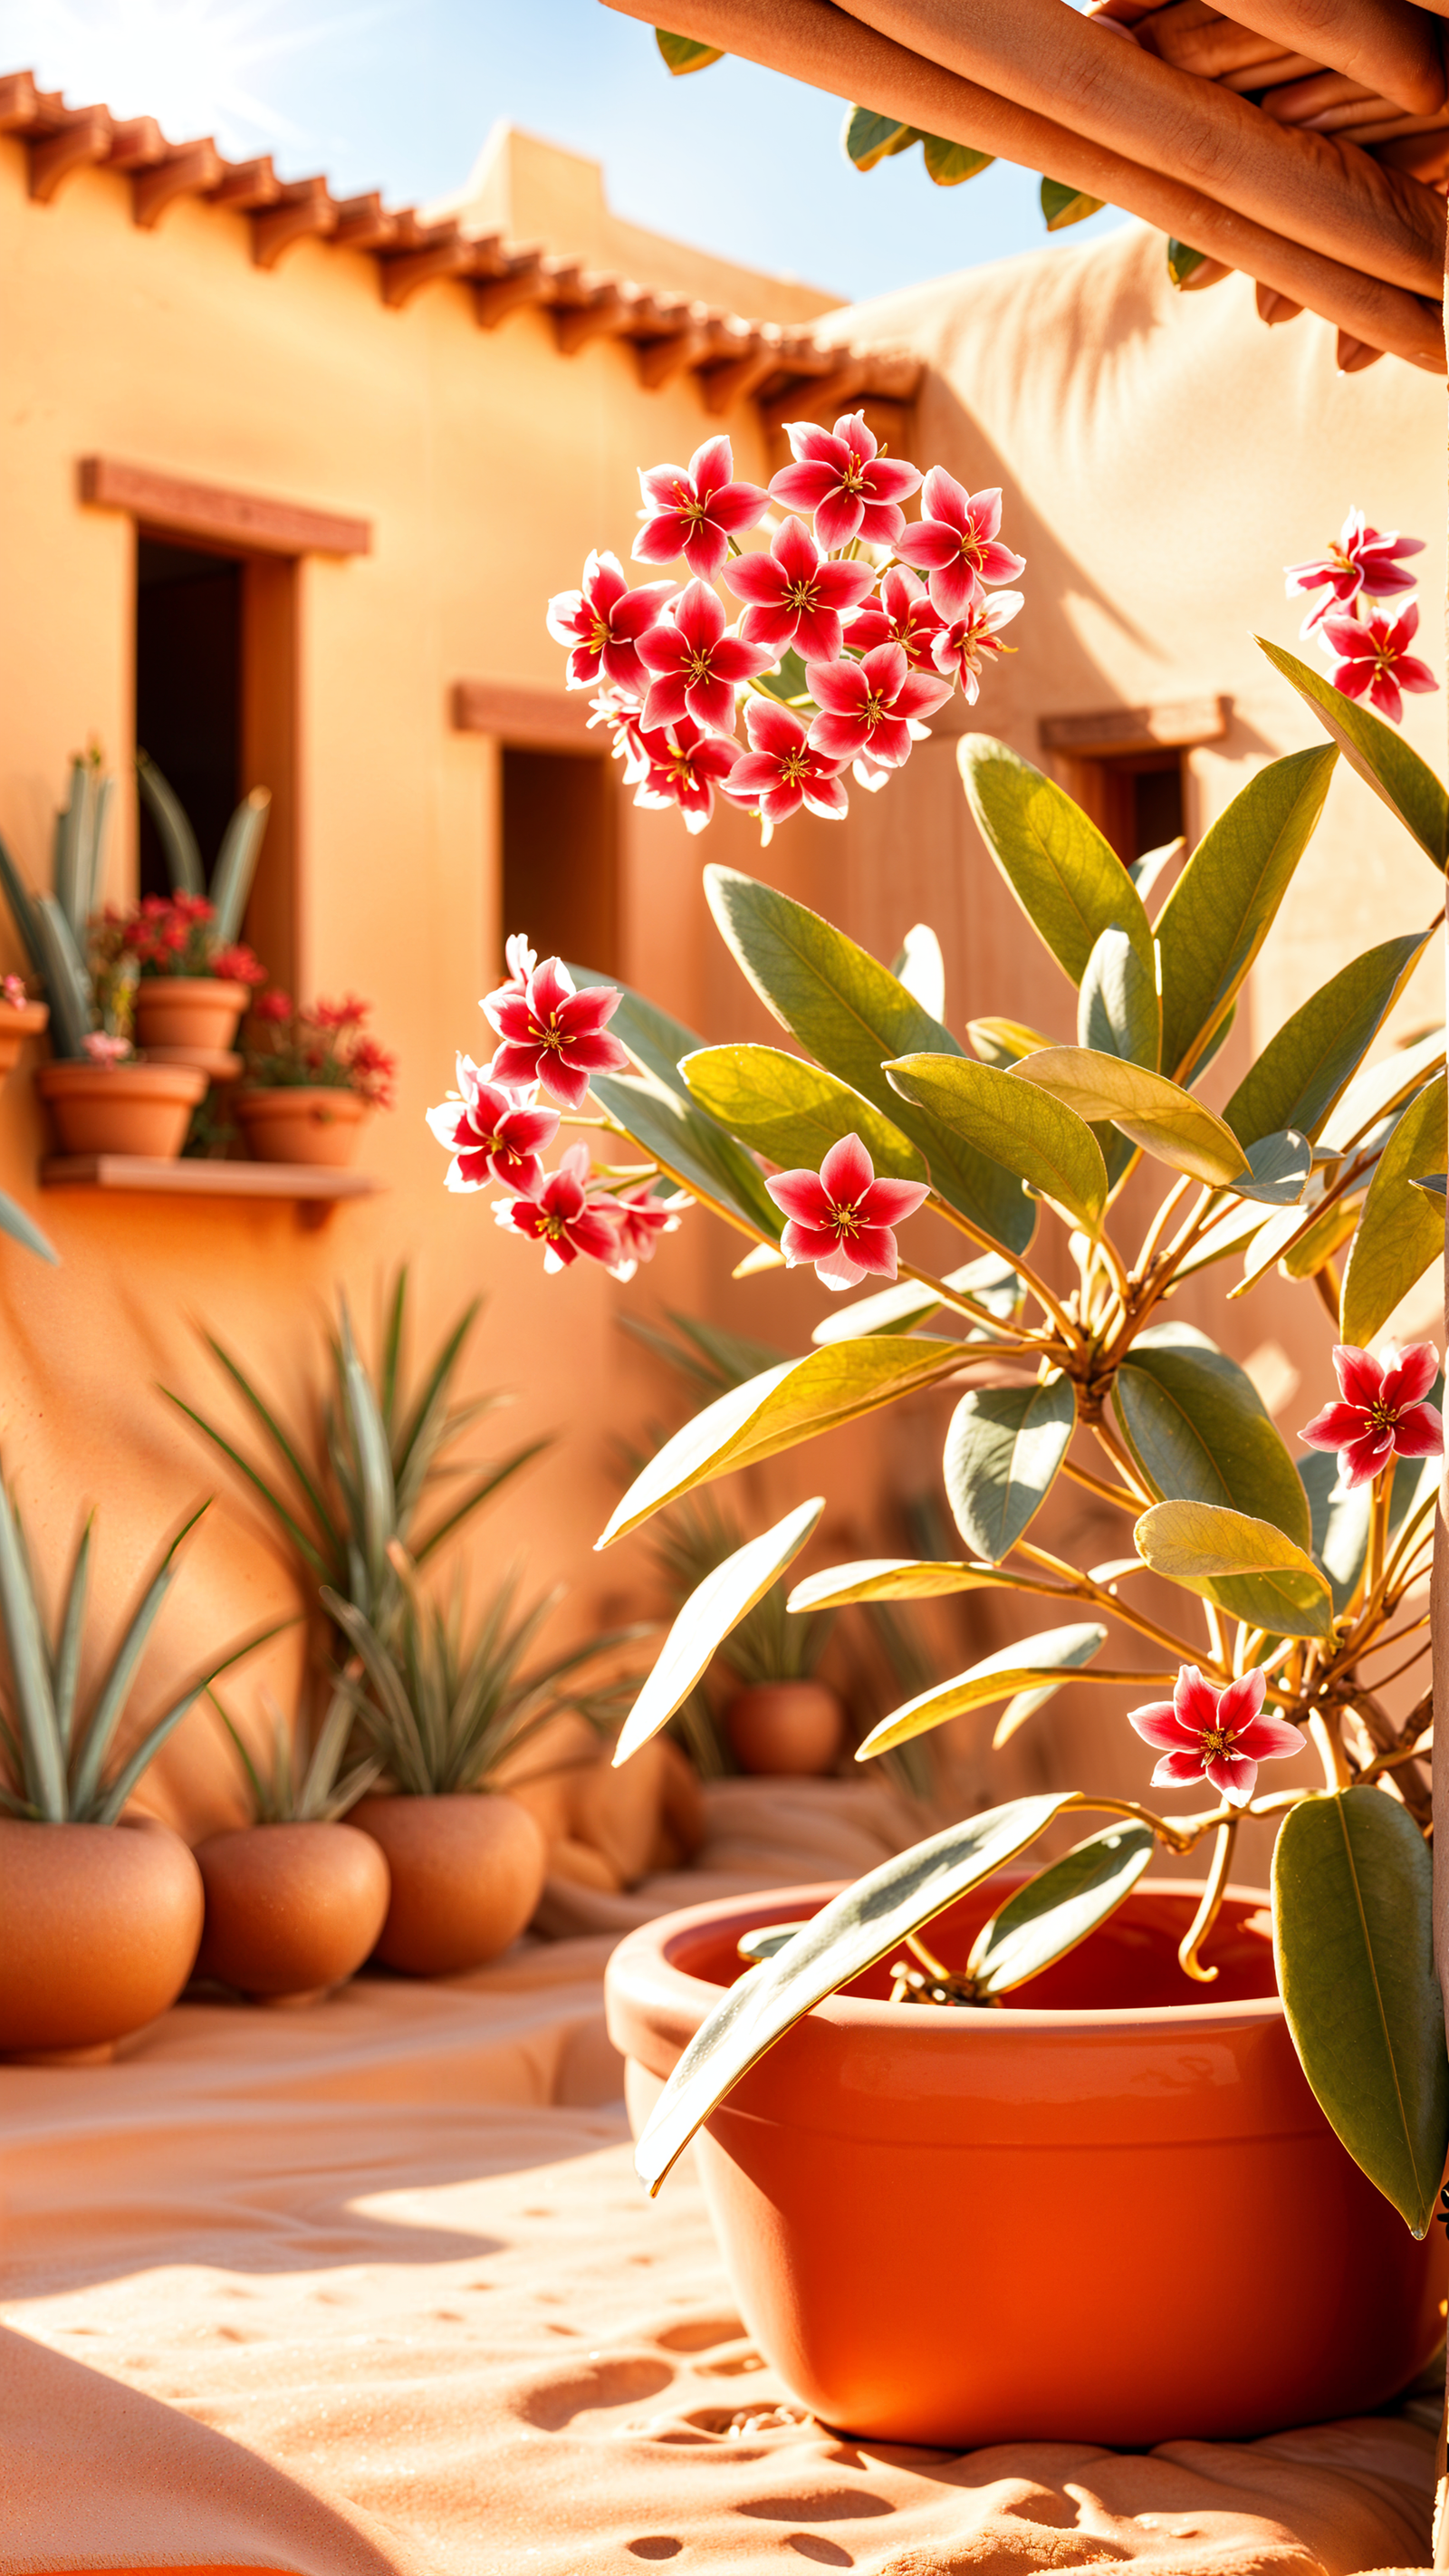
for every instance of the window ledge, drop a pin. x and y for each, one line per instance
(314, 1188)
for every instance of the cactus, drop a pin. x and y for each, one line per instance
(236, 864)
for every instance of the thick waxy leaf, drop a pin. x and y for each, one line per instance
(1221, 909)
(1062, 205)
(1004, 1042)
(23, 1229)
(1340, 1523)
(654, 1040)
(1280, 1165)
(1245, 1565)
(1002, 1455)
(949, 163)
(1401, 1230)
(1384, 761)
(990, 1283)
(776, 1410)
(1029, 1664)
(1384, 1088)
(693, 1149)
(1436, 1183)
(1353, 1938)
(793, 1113)
(715, 1606)
(1117, 1008)
(1301, 1072)
(1067, 879)
(867, 137)
(900, 1578)
(685, 53)
(1158, 1115)
(839, 1943)
(1057, 1909)
(1235, 1228)
(1016, 1123)
(1200, 1432)
(1145, 871)
(851, 1014)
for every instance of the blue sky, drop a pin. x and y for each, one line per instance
(399, 94)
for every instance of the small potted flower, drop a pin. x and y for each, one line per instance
(19, 1018)
(311, 1078)
(106, 1100)
(188, 987)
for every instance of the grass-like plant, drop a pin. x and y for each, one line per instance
(236, 862)
(767, 1644)
(293, 1788)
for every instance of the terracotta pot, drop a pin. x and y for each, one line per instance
(188, 1016)
(299, 1124)
(290, 1909)
(1098, 2214)
(467, 1873)
(120, 1108)
(786, 1727)
(98, 1929)
(15, 1027)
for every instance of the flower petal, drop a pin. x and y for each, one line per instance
(847, 1172)
(1408, 1374)
(801, 1195)
(1419, 1432)
(1177, 1770)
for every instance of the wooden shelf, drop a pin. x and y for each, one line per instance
(313, 1187)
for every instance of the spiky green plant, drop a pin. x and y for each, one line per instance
(767, 1644)
(53, 926)
(314, 1790)
(236, 861)
(57, 1763)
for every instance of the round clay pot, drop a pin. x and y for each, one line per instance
(299, 1124)
(1099, 2214)
(15, 1026)
(467, 1873)
(290, 1909)
(181, 1017)
(786, 1727)
(98, 1929)
(120, 1108)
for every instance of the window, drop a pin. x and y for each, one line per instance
(1135, 800)
(560, 867)
(1127, 767)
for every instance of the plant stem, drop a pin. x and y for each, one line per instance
(1049, 1304)
(1122, 1461)
(1098, 1485)
(1207, 1912)
(959, 1303)
(1081, 1588)
(1158, 1227)
(1336, 1772)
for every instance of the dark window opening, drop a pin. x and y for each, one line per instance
(560, 869)
(189, 691)
(1136, 799)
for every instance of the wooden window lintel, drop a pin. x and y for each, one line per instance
(246, 521)
(1127, 729)
(535, 719)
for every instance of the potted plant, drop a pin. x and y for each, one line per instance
(295, 1899)
(311, 1078)
(20, 1018)
(885, 2161)
(781, 1719)
(100, 1911)
(165, 969)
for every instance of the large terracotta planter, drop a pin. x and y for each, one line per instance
(120, 1108)
(98, 1929)
(188, 1017)
(297, 1124)
(466, 1873)
(1098, 2214)
(291, 1909)
(15, 1027)
(786, 1728)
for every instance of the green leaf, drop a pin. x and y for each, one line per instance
(236, 863)
(115, 1689)
(1353, 1939)
(716, 1605)
(1067, 879)
(685, 53)
(1340, 1523)
(1304, 1069)
(1004, 1042)
(776, 1410)
(1117, 1008)
(1385, 1087)
(867, 137)
(1062, 205)
(1183, 262)
(793, 1113)
(23, 1229)
(788, 682)
(1400, 1231)
(949, 163)
(1222, 907)
(1245, 1565)
(900, 1578)
(22, 907)
(70, 875)
(1059, 1908)
(1002, 1456)
(107, 1807)
(1014, 1122)
(1200, 1432)
(178, 841)
(691, 1148)
(654, 1040)
(67, 985)
(40, 1739)
(836, 1945)
(989, 1282)
(1384, 761)
(851, 1014)
(1280, 1165)
(1157, 1114)
(1052, 1657)
(1435, 1183)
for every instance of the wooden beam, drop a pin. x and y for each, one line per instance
(1123, 729)
(542, 719)
(84, 139)
(249, 521)
(303, 212)
(193, 170)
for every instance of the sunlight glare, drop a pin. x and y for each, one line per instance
(197, 66)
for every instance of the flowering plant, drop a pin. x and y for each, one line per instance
(288, 1047)
(1368, 648)
(1300, 1579)
(174, 935)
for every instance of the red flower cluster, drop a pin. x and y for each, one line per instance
(172, 935)
(1369, 649)
(862, 649)
(551, 1038)
(289, 1048)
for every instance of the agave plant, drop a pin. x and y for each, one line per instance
(236, 862)
(357, 1485)
(57, 1761)
(54, 926)
(312, 1791)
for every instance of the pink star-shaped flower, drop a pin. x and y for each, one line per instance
(1381, 1414)
(867, 706)
(841, 475)
(683, 767)
(1363, 560)
(563, 1218)
(1370, 656)
(841, 1216)
(553, 1034)
(959, 649)
(603, 623)
(696, 665)
(797, 595)
(492, 1133)
(640, 1220)
(1220, 1736)
(780, 773)
(694, 510)
(901, 614)
(955, 543)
